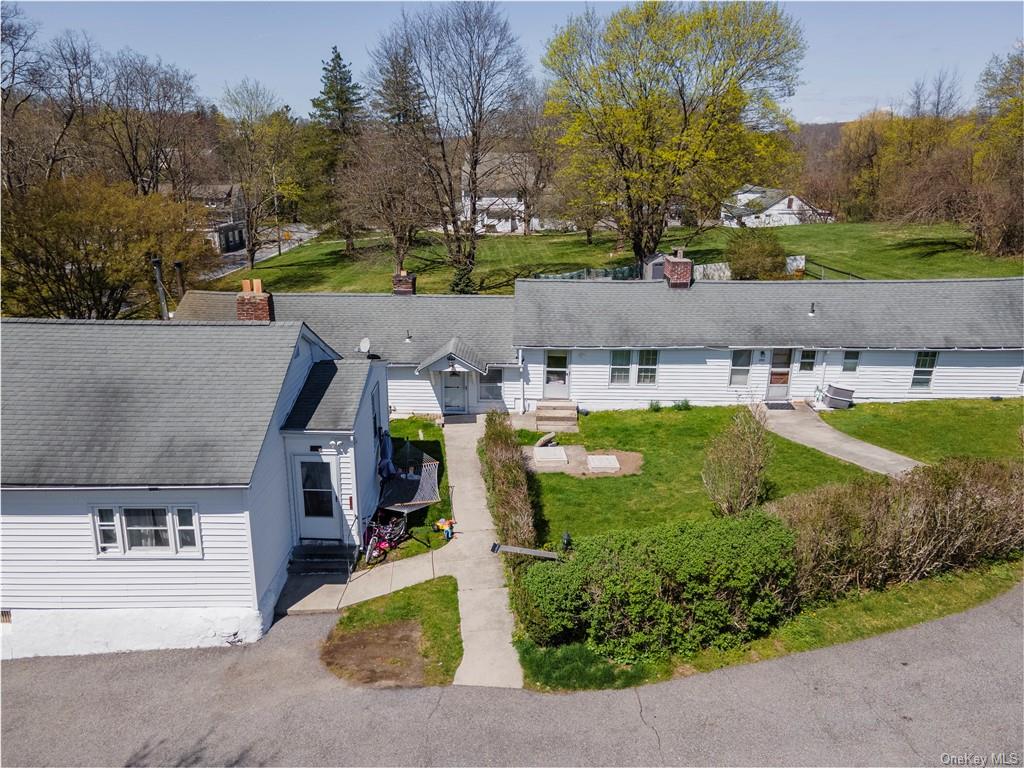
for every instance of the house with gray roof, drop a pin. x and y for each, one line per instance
(754, 206)
(622, 344)
(157, 479)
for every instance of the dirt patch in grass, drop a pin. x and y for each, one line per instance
(630, 462)
(386, 656)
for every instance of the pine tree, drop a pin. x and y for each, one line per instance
(397, 97)
(340, 103)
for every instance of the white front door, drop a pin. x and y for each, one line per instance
(316, 499)
(778, 375)
(454, 385)
(556, 375)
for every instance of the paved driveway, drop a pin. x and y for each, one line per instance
(951, 686)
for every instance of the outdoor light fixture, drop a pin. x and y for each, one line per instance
(451, 365)
(762, 356)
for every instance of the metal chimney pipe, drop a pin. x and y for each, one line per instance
(160, 292)
(179, 273)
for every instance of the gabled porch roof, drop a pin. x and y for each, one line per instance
(455, 350)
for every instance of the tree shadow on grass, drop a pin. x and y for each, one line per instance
(929, 247)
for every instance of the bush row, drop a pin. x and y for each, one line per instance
(640, 594)
(508, 488)
(873, 533)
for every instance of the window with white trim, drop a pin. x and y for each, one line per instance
(647, 367)
(151, 530)
(924, 366)
(808, 357)
(851, 359)
(739, 373)
(620, 364)
(490, 384)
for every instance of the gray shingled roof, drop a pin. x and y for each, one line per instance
(330, 398)
(904, 314)
(483, 323)
(138, 403)
(457, 348)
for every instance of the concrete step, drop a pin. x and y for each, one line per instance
(556, 416)
(302, 567)
(560, 427)
(556, 405)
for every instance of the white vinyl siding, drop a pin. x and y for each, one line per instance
(409, 392)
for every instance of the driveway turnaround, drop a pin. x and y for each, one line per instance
(947, 688)
(803, 425)
(488, 658)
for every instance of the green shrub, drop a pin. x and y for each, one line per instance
(735, 464)
(681, 405)
(755, 254)
(675, 588)
(654, 406)
(873, 533)
(507, 479)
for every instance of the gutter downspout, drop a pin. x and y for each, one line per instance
(522, 382)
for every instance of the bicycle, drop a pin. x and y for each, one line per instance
(381, 538)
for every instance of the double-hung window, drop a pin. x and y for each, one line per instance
(808, 357)
(850, 361)
(490, 384)
(924, 366)
(647, 367)
(621, 360)
(739, 373)
(142, 531)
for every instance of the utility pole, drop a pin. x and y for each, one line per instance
(161, 294)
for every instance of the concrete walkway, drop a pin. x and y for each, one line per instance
(488, 656)
(803, 425)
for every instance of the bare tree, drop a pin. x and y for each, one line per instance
(530, 165)
(256, 138)
(469, 69)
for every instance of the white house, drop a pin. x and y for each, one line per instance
(753, 206)
(503, 180)
(622, 344)
(158, 477)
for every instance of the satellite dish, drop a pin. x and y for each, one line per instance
(364, 344)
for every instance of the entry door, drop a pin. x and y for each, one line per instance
(556, 375)
(454, 385)
(778, 375)
(319, 511)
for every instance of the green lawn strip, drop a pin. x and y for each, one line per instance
(576, 667)
(435, 605)
(874, 251)
(669, 487)
(934, 429)
(428, 437)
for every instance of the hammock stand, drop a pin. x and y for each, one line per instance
(415, 483)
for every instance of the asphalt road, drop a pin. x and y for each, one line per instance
(953, 686)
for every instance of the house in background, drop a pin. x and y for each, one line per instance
(160, 479)
(505, 178)
(753, 206)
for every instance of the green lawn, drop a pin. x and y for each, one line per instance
(931, 430)
(574, 667)
(427, 436)
(669, 487)
(868, 250)
(434, 605)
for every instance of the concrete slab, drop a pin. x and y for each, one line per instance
(550, 454)
(478, 610)
(312, 593)
(489, 659)
(365, 585)
(599, 462)
(468, 545)
(412, 570)
(473, 574)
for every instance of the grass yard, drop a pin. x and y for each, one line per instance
(669, 487)
(427, 436)
(407, 638)
(575, 667)
(932, 430)
(871, 251)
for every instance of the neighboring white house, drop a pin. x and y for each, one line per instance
(753, 206)
(622, 344)
(157, 476)
(504, 179)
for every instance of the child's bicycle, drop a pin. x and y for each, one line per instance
(381, 538)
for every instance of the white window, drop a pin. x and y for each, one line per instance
(924, 366)
(647, 367)
(808, 357)
(141, 531)
(620, 367)
(740, 371)
(490, 384)
(850, 361)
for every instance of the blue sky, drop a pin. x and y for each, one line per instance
(860, 54)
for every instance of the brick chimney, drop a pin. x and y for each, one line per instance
(253, 303)
(678, 272)
(403, 284)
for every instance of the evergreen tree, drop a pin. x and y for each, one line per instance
(340, 103)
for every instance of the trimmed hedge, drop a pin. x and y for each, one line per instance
(674, 588)
(873, 533)
(508, 487)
